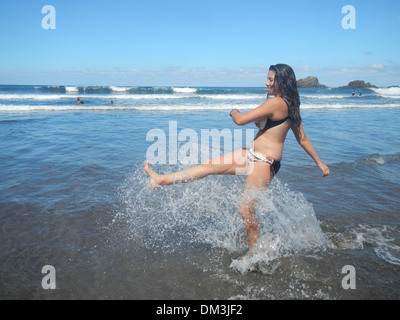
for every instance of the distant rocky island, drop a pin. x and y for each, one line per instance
(310, 82)
(359, 84)
(313, 82)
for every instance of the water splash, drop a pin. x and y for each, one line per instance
(383, 239)
(376, 158)
(206, 213)
(289, 227)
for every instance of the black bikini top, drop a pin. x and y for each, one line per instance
(270, 124)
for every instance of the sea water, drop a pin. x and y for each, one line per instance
(73, 195)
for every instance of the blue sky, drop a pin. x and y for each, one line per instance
(197, 42)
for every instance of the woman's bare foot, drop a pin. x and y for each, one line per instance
(155, 180)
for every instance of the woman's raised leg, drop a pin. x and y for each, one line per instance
(231, 163)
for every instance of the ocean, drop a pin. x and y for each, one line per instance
(79, 220)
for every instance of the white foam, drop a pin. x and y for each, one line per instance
(377, 158)
(165, 107)
(35, 97)
(348, 106)
(71, 89)
(380, 237)
(45, 97)
(139, 97)
(119, 89)
(393, 92)
(184, 90)
(324, 97)
(17, 108)
(233, 97)
(161, 96)
(88, 107)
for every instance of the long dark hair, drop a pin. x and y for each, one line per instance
(286, 80)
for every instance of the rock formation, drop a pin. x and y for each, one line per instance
(359, 84)
(309, 82)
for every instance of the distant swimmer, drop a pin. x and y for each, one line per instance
(112, 102)
(79, 101)
(354, 92)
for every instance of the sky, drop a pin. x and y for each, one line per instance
(198, 42)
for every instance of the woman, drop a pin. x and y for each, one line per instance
(274, 117)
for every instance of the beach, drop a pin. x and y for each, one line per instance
(73, 195)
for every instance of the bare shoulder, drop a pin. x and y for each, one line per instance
(275, 102)
(277, 107)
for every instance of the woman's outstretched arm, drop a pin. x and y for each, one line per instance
(266, 109)
(309, 148)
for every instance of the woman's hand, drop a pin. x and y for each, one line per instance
(233, 111)
(324, 168)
